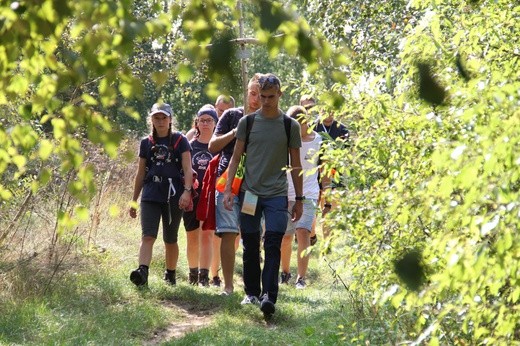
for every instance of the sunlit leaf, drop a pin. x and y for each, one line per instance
(114, 211)
(184, 72)
(45, 149)
(89, 99)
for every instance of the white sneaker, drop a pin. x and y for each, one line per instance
(300, 283)
(250, 300)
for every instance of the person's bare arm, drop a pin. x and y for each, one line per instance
(184, 200)
(297, 178)
(138, 184)
(325, 185)
(219, 141)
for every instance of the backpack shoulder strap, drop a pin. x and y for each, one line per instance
(250, 119)
(149, 155)
(287, 124)
(175, 139)
(179, 137)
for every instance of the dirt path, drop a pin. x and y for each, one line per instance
(193, 320)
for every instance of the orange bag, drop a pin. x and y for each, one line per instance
(237, 181)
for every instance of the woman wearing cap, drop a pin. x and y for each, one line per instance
(165, 194)
(199, 242)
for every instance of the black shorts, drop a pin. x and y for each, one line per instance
(153, 212)
(190, 220)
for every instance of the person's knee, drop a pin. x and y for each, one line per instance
(148, 239)
(287, 239)
(207, 236)
(227, 239)
(273, 240)
(303, 233)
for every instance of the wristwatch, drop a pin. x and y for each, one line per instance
(187, 188)
(299, 198)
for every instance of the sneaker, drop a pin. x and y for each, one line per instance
(250, 300)
(139, 277)
(203, 278)
(216, 282)
(285, 277)
(267, 306)
(300, 283)
(170, 278)
(314, 240)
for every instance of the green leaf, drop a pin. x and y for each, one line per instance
(20, 161)
(160, 78)
(45, 149)
(81, 213)
(114, 211)
(89, 99)
(126, 89)
(410, 270)
(5, 194)
(59, 127)
(430, 89)
(184, 72)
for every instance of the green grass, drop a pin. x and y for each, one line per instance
(92, 302)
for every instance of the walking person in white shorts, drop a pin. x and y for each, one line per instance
(309, 154)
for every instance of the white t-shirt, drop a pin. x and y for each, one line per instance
(309, 159)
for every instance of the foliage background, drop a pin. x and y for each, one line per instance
(426, 231)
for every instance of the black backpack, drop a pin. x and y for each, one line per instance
(172, 147)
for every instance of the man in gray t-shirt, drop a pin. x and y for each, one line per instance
(264, 191)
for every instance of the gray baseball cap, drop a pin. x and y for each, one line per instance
(163, 108)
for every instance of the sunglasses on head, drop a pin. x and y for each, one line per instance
(268, 80)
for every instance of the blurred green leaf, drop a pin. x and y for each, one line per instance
(410, 270)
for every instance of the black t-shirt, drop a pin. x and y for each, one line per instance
(335, 130)
(227, 122)
(162, 165)
(200, 158)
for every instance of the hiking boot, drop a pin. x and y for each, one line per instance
(203, 278)
(267, 306)
(216, 282)
(314, 240)
(169, 277)
(193, 277)
(139, 277)
(300, 283)
(285, 277)
(250, 300)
